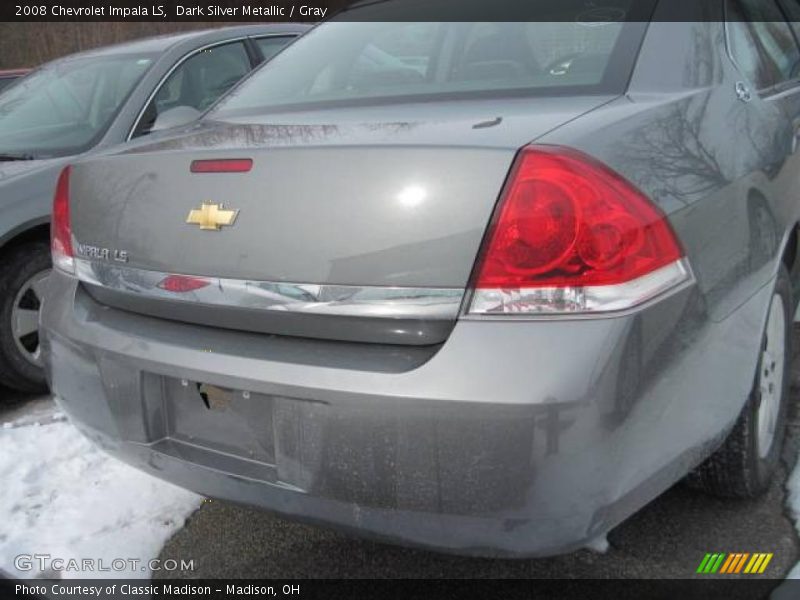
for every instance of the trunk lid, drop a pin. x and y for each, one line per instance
(367, 202)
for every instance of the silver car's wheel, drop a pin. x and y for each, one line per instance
(770, 376)
(744, 465)
(25, 317)
(23, 278)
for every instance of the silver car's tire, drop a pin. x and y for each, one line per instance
(743, 467)
(23, 276)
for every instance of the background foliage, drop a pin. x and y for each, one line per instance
(31, 44)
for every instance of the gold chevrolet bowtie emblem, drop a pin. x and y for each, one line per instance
(211, 216)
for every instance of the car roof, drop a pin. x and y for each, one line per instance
(190, 39)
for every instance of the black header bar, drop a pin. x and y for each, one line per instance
(710, 588)
(589, 12)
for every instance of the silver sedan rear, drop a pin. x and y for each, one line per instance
(483, 287)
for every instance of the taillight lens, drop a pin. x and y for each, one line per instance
(60, 228)
(571, 235)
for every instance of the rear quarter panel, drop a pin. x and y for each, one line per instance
(719, 168)
(723, 172)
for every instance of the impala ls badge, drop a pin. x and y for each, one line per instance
(101, 253)
(212, 217)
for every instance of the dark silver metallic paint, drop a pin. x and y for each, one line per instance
(511, 437)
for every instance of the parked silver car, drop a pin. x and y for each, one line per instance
(491, 294)
(80, 104)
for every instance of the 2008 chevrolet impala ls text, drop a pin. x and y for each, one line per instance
(485, 287)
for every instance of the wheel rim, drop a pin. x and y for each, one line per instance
(25, 317)
(770, 376)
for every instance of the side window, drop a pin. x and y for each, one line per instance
(762, 43)
(198, 82)
(270, 46)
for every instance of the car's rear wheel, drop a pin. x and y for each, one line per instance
(743, 467)
(23, 278)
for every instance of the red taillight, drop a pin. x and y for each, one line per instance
(60, 228)
(222, 165)
(566, 224)
(181, 284)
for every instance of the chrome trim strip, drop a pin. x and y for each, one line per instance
(382, 302)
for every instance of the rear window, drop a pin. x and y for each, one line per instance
(357, 62)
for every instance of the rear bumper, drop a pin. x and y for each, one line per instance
(514, 438)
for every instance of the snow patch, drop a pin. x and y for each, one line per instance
(62, 496)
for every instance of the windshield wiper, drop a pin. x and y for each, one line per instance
(11, 157)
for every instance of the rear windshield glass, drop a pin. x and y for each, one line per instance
(354, 62)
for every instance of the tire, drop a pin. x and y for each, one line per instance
(20, 269)
(745, 464)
